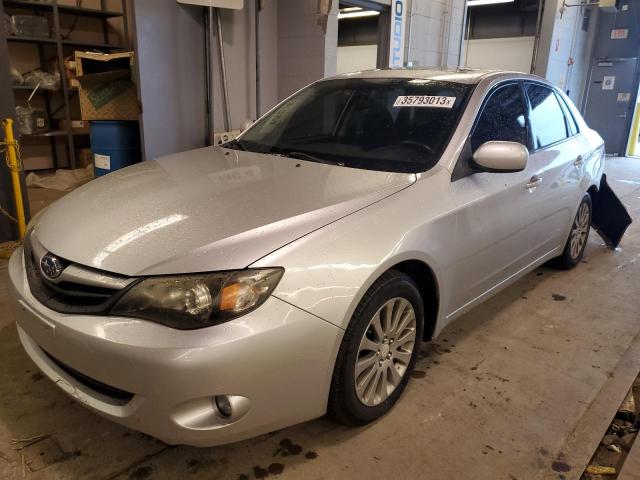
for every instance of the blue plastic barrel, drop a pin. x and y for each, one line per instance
(115, 144)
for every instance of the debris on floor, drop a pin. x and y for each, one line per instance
(597, 470)
(19, 444)
(62, 179)
(7, 248)
(627, 410)
(618, 439)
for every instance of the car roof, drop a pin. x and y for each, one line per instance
(461, 75)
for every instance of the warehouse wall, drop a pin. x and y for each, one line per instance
(268, 55)
(238, 35)
(435, 32)
(515, 53)
(305, 52)
(356, 57)
(171, 68)
(509, 29)
(605, 46)
(569, 51)
(238, 28)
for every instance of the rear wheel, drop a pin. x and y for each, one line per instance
(378, 351)
(577, 241)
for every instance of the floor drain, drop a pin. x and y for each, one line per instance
(614, 447)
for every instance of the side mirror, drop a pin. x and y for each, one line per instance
(501, 157)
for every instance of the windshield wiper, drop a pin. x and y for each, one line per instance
(234, 145)
(306, 156)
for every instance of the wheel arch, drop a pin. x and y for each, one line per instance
(426, 281)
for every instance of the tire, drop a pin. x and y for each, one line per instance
(577, 241)
(395, 293)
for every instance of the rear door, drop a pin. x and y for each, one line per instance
(556, 159)
(495, 218)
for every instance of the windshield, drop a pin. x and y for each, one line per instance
(398, 125)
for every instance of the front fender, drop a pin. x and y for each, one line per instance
(328, 271)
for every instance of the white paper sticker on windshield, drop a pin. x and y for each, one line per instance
(433, 101)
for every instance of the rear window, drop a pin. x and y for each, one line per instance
(400, 125)
(572, 125)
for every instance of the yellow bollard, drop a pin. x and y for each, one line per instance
(632, 150)
(14, 165)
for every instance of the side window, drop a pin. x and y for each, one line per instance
(502, 118)
(572, 126)
(547, 119)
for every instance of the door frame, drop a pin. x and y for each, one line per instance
(384, 28)
(635, 91)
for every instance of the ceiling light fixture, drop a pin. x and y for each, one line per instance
(350, 9)
(477, 3)
(364, 13)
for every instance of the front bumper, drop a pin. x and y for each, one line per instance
(279, 357)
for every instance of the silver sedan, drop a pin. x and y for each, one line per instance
(221, 293)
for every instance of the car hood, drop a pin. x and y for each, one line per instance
(204, 210)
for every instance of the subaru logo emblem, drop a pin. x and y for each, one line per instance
(51, 266)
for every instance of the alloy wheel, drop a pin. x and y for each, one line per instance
(385, 351)
(580, 230)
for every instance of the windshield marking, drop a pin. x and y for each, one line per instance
(432, 101)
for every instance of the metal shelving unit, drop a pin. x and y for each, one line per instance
(53, 11)
(54, 133)
(48, 6)
(69, 43)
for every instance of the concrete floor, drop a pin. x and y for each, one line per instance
(522, 387)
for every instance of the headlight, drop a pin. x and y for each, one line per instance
(200, 300)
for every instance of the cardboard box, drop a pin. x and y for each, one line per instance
(107, 86)
(70, 71)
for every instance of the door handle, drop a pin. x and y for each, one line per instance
(578, 161)
(534, 182)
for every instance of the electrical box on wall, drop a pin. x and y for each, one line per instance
(610, 6)
(233, 4)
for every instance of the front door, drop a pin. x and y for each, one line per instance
(610, 101)
(495, 219)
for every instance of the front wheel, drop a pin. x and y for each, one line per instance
(577, 241)
(378, 351)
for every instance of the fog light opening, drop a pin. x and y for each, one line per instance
(224, 405)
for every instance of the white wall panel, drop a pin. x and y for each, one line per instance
(357, 57)
(514, 53)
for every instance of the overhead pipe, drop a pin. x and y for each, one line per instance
(209, 46)
(446, 33)
(257, 47)
(409, 32)
(223, 71)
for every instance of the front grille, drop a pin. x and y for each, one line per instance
(67, 297)
(121, 396)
